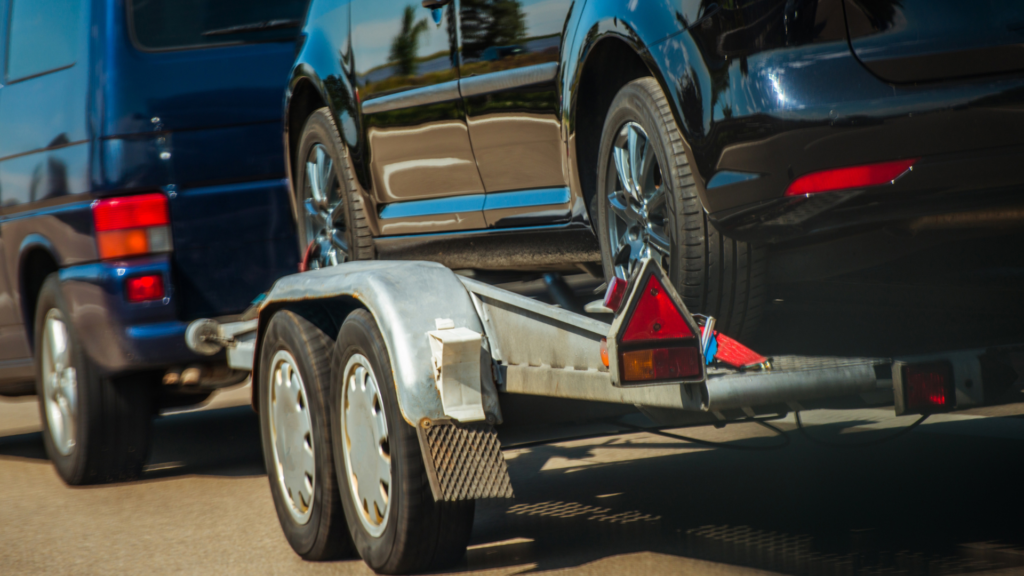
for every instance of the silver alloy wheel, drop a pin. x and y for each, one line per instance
(322, 199)
(366, 446)
(291, 435)
(637, 201)
(60, 383)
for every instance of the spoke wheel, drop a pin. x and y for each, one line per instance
(366, 444)
(323, 210)
(60, 383)
(637, 218)
(291, 432)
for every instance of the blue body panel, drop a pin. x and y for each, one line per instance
(202, 126)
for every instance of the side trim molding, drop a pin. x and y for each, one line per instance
(508, 79)
(434, 94)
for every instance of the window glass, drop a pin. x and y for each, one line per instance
(167, 24)
(43, 36)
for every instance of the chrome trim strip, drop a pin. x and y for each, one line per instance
(508, 79)
(434, 94)
(526, 198)
(483, 232)
(434, 206)
(476, 202)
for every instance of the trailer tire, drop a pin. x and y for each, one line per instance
(294, 417)
(715, 274)
(413, 533)
(96, 429)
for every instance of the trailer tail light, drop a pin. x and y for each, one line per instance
(615, 293)
(849, 177)
(656, 316)
(655, 337)
(928, 387)
(144, 288)
(678, 362)
(132, 225)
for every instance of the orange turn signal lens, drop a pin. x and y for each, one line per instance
(661, 364)
(133, 242)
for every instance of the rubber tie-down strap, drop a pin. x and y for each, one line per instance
(464, 461)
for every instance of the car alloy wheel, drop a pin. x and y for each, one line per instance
(637, 200)
(323, 211)
(366, 445)
(291, 434)
(60, 383)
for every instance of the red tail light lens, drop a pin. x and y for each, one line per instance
(850, 177)
(132, 225)
(615, 293)
(929, 387)
(661, 364)
(656, 316)
(144, 288)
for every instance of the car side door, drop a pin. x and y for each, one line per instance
(423, 173)
(508, 70)
(11, 338)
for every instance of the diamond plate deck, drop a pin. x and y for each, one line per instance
(467, 461)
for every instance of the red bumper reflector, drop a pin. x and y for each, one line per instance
(929, 386)
(144, 288)
(656, 316)
(661, 364)
(850, 177)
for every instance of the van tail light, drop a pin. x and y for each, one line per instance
(144, 288)
(655, 338)
(925, 387)
(849, 177)
(132, 225)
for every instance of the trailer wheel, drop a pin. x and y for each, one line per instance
(95, 429)
(396, 525)
(295, 427)
(647, 201)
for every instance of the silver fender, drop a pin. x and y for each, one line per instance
(404, 298)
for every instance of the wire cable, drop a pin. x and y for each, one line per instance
(778, 432)
(807, 435)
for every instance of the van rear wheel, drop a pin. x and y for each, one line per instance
(96, 429)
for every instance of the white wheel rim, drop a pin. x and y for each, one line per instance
(366, 445)
(60, 383)
(291, 436)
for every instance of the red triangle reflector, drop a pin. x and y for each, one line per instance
(656, 316)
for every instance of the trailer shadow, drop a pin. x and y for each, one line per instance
(944, 499)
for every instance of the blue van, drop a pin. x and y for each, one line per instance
(142, 185)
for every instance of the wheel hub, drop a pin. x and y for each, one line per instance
(637, 201)
(60, 383)
(323, 211)
(291, 432)
(366, 445)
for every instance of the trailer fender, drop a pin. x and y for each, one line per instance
(404, 298)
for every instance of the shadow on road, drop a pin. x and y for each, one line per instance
(942, 501)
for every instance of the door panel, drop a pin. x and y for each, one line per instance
(509, 68)
(416, 132)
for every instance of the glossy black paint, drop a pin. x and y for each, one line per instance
(200, 125)
(764, 91)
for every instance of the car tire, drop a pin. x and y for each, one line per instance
(295, 422)
(96, 429)
(714, 274)
(339, 231)
(413, 532)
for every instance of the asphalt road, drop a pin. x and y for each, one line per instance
(943, 498)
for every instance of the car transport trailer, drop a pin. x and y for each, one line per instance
(382, 387)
